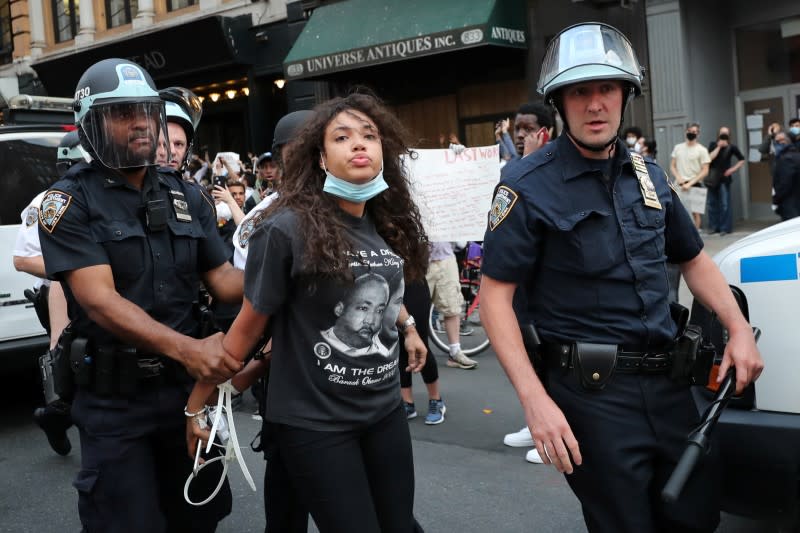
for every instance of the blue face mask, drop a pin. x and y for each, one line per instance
(353, 192)
(794, 130)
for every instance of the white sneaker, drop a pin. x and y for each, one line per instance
(533, 457)
(520, 439)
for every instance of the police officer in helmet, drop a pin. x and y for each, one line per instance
(584, 228)
(131, 242)
(184, 110)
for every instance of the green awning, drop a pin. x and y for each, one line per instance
(359, 33)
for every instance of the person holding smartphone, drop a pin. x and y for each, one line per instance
(534, 125)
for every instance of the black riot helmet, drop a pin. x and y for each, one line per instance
(184, 108)
(119, 114)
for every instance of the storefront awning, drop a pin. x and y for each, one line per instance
(216, 42)
(359, 33)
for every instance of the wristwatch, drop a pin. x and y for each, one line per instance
(410, 322)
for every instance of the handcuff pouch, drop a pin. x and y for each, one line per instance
(594, 364)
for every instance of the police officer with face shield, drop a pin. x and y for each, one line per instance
(131, 243)
(184, 110)
(585, 227)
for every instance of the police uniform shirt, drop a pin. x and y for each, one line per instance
(587, 250)
(94, 217)
(27, 242)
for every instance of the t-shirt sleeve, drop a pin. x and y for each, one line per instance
(510, 246)
(682, 241)
(268, 271)
(64, 233)
(737, 153)
(705, 157)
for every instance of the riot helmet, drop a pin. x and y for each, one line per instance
(590, 51)
(69, 152)
(119, 114)
(184, 108)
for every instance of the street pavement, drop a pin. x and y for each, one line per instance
(467, 480)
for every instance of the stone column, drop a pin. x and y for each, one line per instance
(36, 19)
(145, 16)
(86, 31)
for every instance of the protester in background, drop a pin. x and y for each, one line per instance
(689, 165)
(633, 138)
(344, 212)
(718, 181)
(786, 180)
(267, 173)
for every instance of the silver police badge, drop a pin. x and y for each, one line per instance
(504, 200)
(54, 205)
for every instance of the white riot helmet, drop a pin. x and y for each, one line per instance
(589, 51)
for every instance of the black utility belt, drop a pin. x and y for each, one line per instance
(118, 369)
(594, 364)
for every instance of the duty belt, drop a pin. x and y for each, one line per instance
(561, 356)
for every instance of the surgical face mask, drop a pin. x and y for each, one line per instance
(353, 192)
(631, 141)
(795, 130)
(690, 136)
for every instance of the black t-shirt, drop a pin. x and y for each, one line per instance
(723, 160)
(330, 369)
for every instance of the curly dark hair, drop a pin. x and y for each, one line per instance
(394, 213)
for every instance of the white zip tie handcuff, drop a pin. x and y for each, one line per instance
(227, 433)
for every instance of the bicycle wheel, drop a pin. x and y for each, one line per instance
(472, 335)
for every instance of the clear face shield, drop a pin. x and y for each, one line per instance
(588, 52)
(125, 135)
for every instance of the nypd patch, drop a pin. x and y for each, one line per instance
(31, 216)
(504, 200)
(245, 231)
(54, 205)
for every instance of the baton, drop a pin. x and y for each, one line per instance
(697, 443)
(698, 439)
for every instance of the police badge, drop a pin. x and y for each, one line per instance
(32, 216)
(54, 205)
(504, 200)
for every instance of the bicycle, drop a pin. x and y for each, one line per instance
(472, 335)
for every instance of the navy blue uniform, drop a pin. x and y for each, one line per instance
(590, 256)
(133, 450)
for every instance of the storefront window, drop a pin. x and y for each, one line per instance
(767, 55)
(120, 12)
(66, 19)
(173, 5)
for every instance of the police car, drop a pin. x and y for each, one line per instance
(759, 434)
(27, 167)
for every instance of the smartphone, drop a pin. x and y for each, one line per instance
(220, 180)
(545, 135)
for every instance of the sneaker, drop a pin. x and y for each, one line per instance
(411, 411)
(520, 439)
(436, 411)
(533, 457)
(459, 360)
(465, 330)
(54, 421)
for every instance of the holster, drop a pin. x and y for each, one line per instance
(46, 364)
(594, 364)
(63, 380)
(38, 297)
(684, 354)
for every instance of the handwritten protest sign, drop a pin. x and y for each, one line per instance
(454, 191)
(231, 157)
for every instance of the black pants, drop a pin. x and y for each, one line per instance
(134, 465)
(354, 481)
(631, 435)
(417, 300)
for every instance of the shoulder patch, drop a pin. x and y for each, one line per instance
(54, 205)
(31, 216)
(504, 200)
(245, 231)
